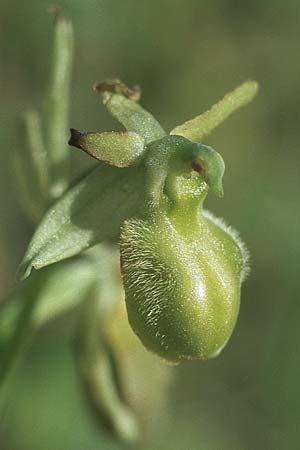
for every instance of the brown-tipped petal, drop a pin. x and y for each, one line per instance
(120, 149)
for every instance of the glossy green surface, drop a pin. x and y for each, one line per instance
(182, 294)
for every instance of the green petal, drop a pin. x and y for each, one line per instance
(128, 112)
(89, 213)
(199, 127)
(118, 149)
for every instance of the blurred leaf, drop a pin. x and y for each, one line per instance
(100, 376)
(146, 379)
(89, 213)
(199, 127)
(32, 176)
(116, 149)
(41, 299)
(57, 123)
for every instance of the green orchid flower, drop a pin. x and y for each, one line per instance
(182, 268)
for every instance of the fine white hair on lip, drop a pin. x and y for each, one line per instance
(234, 234)
(140, 264)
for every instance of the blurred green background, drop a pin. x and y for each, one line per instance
(185, 54)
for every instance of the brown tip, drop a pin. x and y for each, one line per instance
(74, 140)
(116, 86)
(109, 85)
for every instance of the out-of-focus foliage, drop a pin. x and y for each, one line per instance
(185, 55)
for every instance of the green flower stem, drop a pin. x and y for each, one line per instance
(198, 128)
(58, 104)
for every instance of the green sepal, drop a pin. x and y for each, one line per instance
(119, 149)
(128, 112)
(89, 213)
(199, 127)
(32, 167)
